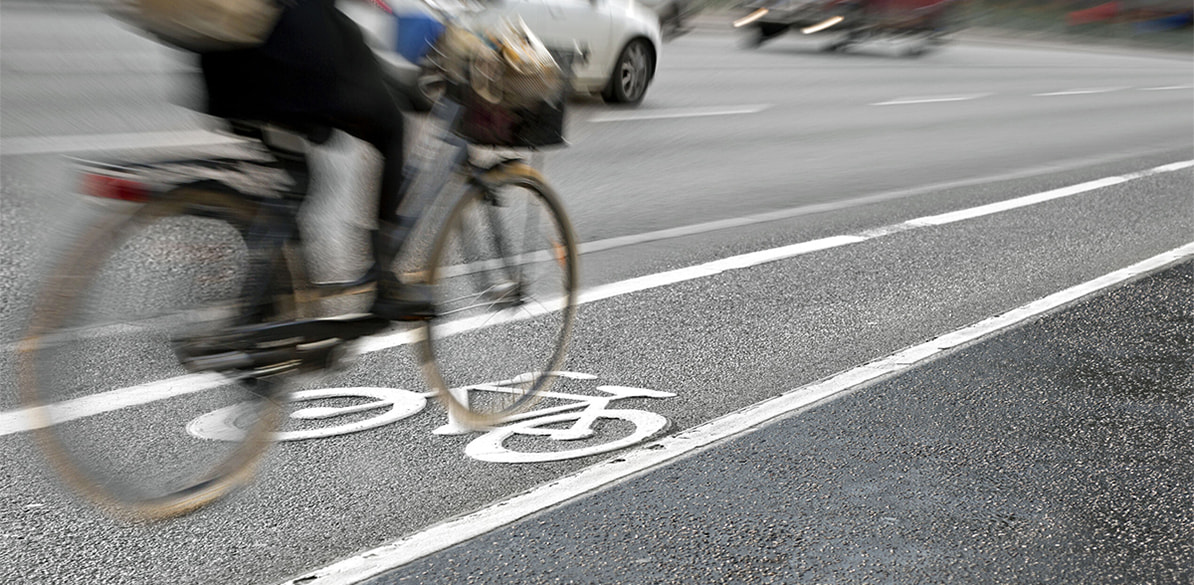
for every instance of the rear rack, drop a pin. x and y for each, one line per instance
(256, 174)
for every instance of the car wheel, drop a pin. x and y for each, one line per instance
(632, 74)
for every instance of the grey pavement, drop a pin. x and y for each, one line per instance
(1077, 473)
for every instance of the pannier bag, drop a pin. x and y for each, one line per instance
(202, 25)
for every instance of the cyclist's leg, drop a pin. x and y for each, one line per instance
(365, 108)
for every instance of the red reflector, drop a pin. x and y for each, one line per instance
(114, 188)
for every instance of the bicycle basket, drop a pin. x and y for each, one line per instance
(511, 96)
(495, 124)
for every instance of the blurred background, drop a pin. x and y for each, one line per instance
(1160, 23)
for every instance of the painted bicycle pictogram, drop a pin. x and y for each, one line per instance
(573, 426)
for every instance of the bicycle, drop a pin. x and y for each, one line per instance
(192, 294)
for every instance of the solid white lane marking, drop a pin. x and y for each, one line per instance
(15, 421)
(659, 453)
(1027, 200)
(661, 279)
(1088, 91)
(931, 99)
(28, 419)
(680, 113)
(104, 142)
(791, 212)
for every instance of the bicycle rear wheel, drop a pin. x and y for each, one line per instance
(98, 367)
(503, 269)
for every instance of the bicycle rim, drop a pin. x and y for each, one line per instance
(504, 274)
(98, 364)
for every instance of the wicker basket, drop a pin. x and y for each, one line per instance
(505, 105)
(497, 124)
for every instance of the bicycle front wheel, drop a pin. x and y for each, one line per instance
(98, 366)
(504, 274)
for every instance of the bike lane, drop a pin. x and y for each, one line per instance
(1058, 451)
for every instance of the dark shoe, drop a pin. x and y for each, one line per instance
(397, 301)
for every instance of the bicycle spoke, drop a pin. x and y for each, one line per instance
(99, 368)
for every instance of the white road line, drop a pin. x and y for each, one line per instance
(30, 419)
(680, 113)
(1166, 88)
(665, 451)
(105, 142)
(1089, 91)
(973, 212)
(32, 145)
(21, 420)
(791, 212)
(931, 99)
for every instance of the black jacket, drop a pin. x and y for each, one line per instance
(314, 66)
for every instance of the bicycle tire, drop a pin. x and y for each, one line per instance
(190, 241)
(497, 322)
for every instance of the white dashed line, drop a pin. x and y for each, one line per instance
(34, 145)
(680, 113)
(1087, 91)
(931, 99)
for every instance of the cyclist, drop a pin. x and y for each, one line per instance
(315, 69)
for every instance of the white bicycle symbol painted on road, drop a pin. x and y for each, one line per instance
(575, 420)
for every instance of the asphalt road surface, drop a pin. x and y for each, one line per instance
(1055, 452)
(960, 284)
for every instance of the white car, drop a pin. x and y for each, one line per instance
(620, 37)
